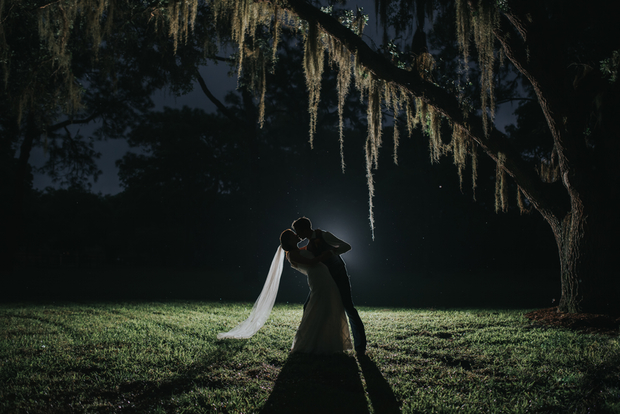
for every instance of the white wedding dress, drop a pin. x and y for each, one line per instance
(323, 328)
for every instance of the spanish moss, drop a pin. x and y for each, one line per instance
(478, 20)
(501, 187)
(314, 52)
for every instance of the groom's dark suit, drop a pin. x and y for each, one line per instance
(338, 270)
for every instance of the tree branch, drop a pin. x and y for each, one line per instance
(493, 143)
(68, 122)
(536, 54)
(222, 59)
(540, 56)
(223, 108)
(503, 101)
(46, 5)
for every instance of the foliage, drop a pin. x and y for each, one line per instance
(71, 159)
(89, 62)
(163, 357)
(60, 73)
(183, 150)
(610, 66)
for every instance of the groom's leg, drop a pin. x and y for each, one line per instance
(357, 326)
(357, 329)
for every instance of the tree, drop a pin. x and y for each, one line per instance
(62, 76)
(567, 54)
(559, 49)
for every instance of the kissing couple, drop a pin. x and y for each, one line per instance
(323, 328)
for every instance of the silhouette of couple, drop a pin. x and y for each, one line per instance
(323, 328)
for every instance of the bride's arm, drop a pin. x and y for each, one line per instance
(296, 256)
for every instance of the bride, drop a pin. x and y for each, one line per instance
(323, 328)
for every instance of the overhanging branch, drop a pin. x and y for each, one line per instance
(493, 143)
(223, 108)
(71, 121)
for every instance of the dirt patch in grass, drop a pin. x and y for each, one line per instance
(582, 322)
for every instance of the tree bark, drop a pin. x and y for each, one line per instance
(587, 253)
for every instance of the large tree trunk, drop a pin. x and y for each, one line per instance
(588, 246)
(589, 283)
(587, 234)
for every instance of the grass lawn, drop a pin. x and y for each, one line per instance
(163, 357)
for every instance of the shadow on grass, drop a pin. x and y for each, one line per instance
(148, 396)
(381, 395)
(318, 384)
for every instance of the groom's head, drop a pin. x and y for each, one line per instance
(303, 227)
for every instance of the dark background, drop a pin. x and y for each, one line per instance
(434, 246)
(189, 208)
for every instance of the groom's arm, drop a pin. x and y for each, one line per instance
(341, 246)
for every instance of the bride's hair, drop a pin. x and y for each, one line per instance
(285, 238)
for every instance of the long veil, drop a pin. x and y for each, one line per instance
(264, 303)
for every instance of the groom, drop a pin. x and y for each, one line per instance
(318, 242)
